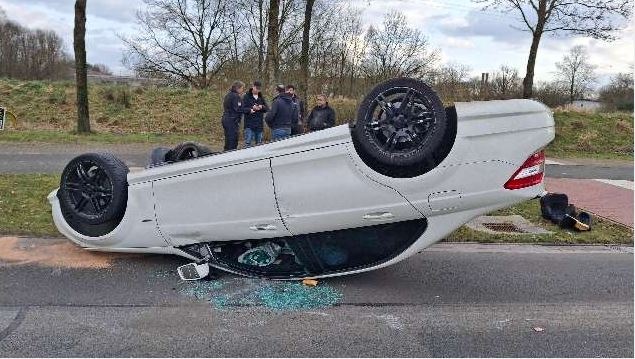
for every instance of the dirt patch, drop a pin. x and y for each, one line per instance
(52, 253)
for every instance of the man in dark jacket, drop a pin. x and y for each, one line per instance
(232, 113)
(297, 127)
(322, 116)
(281, 115)
(253, 99)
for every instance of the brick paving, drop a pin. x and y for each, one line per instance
(605, 200)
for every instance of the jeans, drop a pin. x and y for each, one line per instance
(252, 135)
(280, 133)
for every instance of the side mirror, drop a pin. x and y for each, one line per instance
(193, 271)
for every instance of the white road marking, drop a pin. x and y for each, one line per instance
(618, 183)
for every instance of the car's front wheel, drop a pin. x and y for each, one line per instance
(93, 193)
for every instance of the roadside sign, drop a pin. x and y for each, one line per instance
(3, 113)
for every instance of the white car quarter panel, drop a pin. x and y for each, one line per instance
(229, 203)
(322, 190)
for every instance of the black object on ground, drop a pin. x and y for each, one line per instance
(556, 208)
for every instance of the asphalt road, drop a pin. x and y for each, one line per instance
(19, 158)
(448, 301)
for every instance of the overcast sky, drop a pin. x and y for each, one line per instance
(458, 28)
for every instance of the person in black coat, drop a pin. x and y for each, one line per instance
(253, 99)
(232, 113)
(296, 127)
(282, 114)
(322, 116)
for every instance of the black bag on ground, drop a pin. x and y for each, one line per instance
(554, 206)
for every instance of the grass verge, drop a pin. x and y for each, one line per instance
(23, 204)
(61, 137)
(592, 135)
(25, 211)
(602, 231)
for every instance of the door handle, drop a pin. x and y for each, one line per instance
(263, 227)
(379, 216)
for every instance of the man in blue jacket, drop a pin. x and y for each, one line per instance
(232, 113)
(282, 114)
(253, 99)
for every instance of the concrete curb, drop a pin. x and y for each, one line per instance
(472, 247)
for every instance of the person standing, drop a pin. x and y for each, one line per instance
(253, 99)
(281, 115)
(322, 115)
(232, 112)
(298, 126)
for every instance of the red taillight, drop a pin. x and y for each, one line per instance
(530, 173)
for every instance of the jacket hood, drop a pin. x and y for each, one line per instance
(285, 96)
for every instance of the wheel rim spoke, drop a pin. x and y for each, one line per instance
(406, 103)
(83, 175)
(79, 206)
(96, 205)
(391, 142)
(73, 186)
(385, 105)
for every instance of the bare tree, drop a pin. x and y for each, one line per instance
(598, 19)
(272, 61)
(505, 82)
(30, 54)
(576, 73)
(397, 50)
(618, 95)
(254, 16)
(79, 44)
(188, 40)
(304, 56)
(449, 80)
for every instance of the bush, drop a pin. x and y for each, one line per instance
(57, 96)
(118, 95)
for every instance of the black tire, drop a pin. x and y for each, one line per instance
(402, 128)
(186, 151)
(157, 156)
(93, 193)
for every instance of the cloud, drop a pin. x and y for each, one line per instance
(117, 10)
(481, 24)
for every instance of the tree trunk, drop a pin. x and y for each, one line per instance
(304, 56)
(261, 39)
(272, 61)
(571, 86)
(528, 82)
(79, 44)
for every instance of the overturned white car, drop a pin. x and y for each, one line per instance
(343, 200)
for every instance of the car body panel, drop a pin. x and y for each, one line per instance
(213, 215)
(322, 190)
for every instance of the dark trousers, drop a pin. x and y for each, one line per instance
(231, 135)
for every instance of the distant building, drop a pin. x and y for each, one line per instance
(585, 105)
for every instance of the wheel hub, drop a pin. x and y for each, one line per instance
(400, 122)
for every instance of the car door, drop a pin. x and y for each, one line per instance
(234, 202)
(323, 190)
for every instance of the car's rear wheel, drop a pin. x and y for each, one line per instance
(93, 193)
(186, 151)
(401, 128)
